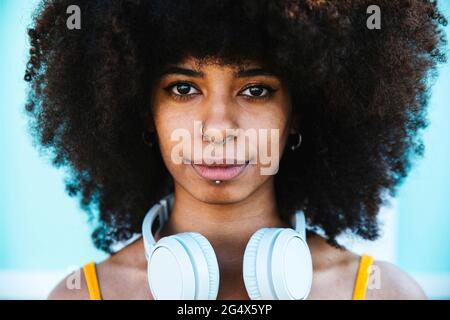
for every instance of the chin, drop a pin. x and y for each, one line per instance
(223, 196)
(228, 192)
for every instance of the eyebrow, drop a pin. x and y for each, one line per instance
(182, 71)
(199, 74)
(254, 72)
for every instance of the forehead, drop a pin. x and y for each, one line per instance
(196, 67)
(202, 63)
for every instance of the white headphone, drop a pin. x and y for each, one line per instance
(277, 261)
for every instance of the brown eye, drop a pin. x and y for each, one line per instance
(181, 90)
(258, 92)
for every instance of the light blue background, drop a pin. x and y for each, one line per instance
(41, 228)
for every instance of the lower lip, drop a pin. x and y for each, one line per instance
(219, 173)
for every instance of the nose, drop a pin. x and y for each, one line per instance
(219, 121)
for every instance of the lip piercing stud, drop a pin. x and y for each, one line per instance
(218, 181)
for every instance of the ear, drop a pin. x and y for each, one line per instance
(294, 126)
(149, 123)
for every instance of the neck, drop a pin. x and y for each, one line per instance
(227, 226)
(225, 223)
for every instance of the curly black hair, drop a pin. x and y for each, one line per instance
(361, 96)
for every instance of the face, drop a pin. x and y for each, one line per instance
(191, 98)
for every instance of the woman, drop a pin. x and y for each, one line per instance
(346, 103)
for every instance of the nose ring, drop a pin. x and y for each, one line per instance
(212, 139)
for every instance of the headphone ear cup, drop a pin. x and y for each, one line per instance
(277, 265)
(249, 265)
(212, 283)
(183, 267)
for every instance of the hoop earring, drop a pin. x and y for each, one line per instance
(147, 138)
(296, 146)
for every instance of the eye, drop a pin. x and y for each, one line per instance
(258, 92)
(181, 90)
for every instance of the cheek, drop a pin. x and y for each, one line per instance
(165, 125)
(176, 131)
(270, 124)
(274, 114)
(280, 120)
(166, 144)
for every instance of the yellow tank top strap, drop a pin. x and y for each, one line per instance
(362, 278)
(90, 274)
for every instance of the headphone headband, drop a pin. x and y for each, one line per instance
(162, 209)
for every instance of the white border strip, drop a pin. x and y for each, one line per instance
(38, 284)
(28, 284)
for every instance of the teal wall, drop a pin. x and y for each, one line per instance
(42, 228)
(423, 243)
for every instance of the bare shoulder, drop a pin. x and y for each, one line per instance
(387, 281)
(122, 275)
(72, 287)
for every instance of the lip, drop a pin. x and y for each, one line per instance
(221, 172)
